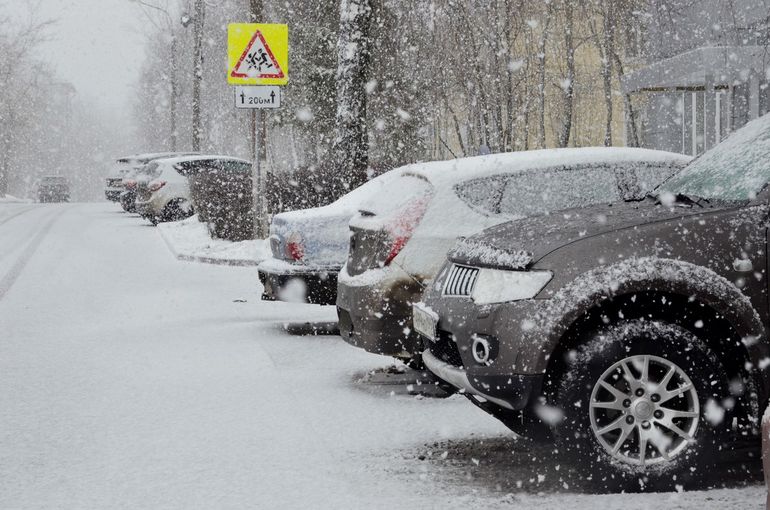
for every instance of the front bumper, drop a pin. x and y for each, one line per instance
(512, 392)
(320, 285)
(375, 312)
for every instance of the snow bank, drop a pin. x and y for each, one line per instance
(13, 199)
(189, 240)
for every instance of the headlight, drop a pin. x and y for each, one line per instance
(495, 286)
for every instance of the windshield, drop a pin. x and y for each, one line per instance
(735, 170)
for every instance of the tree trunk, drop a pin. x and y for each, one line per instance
(631, 128)
(541, 48)
(351, 143)
(569, 86)
(608, 41)
(174, 93)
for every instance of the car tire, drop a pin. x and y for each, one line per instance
(177, 210)
(605, 431)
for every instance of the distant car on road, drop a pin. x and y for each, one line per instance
(53, 188)
(400, 238)
(309, 248)
(124, 165)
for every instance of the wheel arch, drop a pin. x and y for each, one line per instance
(691, 296)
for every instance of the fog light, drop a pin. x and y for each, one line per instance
(484, 349)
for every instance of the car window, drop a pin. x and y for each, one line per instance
(482, 195)
(540, 192)
(151, 170)
(649, 177)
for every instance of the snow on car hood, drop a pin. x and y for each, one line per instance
(505, 245)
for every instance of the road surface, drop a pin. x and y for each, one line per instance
(130, 379)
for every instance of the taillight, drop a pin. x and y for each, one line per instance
(155, 185)
(129, 184)
(294, 247)
(401, 228)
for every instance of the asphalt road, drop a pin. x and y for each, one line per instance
(129, 379)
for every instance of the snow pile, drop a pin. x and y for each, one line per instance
(189, 240)
(13, 199)
(478, 252)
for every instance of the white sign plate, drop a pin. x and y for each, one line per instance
(266, 96)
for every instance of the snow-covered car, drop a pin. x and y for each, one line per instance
(128, 195)
(399, 240)
(163, 187)
(309, 247)
(162, 192)
(122, 166)
(53, 188)
(633, 334)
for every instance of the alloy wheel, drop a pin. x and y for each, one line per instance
(644, 410)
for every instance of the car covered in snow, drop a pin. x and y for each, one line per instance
(310, 246)
(122, 166)
(400, 238)
(128, 195)
(634, 334)
(53, 188)
(163, 188)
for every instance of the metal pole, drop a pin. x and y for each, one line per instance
(256, 15)
(198, 74)
(258, 183)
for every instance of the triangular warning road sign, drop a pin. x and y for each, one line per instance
(257, 60)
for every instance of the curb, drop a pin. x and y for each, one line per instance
(203, 259)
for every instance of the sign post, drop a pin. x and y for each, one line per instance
(258, 65)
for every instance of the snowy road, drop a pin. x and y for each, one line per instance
(132, 380)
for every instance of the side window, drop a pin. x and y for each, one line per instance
(649, 177)
(482, 195)
(543, 191)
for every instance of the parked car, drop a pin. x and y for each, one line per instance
(310, 246)
(129, 183)
(399, 240)
(163, 189)
(53, 188)
(634, 334)
(123, 165)
(162, 193)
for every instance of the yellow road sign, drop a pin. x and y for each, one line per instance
(257, 54)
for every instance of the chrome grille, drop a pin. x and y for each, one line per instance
(460, 281)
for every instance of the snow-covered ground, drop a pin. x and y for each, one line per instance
(189, 240)
(131, 379)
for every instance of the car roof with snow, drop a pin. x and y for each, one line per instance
(450, 172)
(147, 157)
(200, 157)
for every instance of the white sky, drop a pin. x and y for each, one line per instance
(96, 45)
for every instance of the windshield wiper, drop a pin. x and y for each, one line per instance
(681, 198)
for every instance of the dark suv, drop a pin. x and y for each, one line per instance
(633, 335)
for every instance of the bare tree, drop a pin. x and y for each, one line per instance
(18, 44)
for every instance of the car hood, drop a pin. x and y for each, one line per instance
(521, 243)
